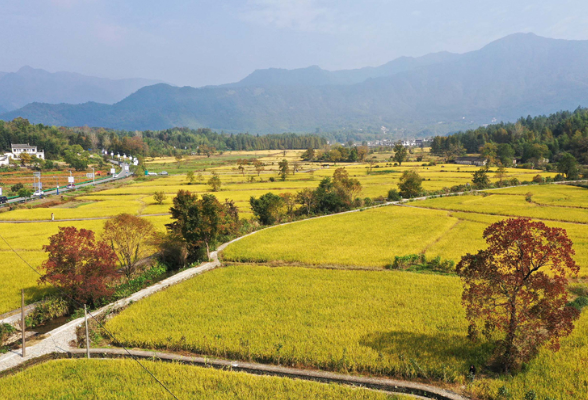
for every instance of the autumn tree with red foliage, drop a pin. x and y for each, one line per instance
(80, 265)
(517, 288)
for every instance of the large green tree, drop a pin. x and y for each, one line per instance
(400, 153)
(410, 184)
(268, 208)
(480, 178)
(568, 166)
(201, 222)
(283, 168)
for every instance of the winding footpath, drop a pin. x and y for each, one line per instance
(58, 344)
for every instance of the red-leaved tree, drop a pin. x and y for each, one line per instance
(80, 265)
(517, 288)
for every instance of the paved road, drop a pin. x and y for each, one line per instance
(124, 173)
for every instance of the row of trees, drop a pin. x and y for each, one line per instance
(56, 140)
(336, 194)
(88, 269)
(336, 154)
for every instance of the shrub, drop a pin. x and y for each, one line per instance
(531, 395)
(379, 200)
(579, 303)
(159, 197)
(514, 182)
(558, 178)
(529, 197)
(393, 195)
(6, 330)
(368, 202)
(419, 262)
(46, 311)
(16, 187)
(504, 392)
(272, 179)
(538, 179)
(173, 252)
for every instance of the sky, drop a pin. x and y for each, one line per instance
(209, 42)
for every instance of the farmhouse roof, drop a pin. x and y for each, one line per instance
(470, 158)
(23, 146)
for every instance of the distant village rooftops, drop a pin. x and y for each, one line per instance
(405, 142)
(479, 161)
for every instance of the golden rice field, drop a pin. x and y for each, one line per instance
(28, 240)
(237, 187)
(549, 202)
(124, 379)
(372, 238)
(356, 321)
(383, 322)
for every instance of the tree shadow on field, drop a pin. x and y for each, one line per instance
(442, 348)
(36, 293)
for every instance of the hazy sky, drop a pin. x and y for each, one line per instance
(203, 42)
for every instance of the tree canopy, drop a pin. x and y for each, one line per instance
(201, 222)
(517, 288)
(79, 265)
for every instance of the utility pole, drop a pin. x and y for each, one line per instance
(87, 336)
(23, 326)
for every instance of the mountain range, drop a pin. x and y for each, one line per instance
(28, 85)
(518, 75)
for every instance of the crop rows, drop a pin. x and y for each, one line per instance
(124, 379)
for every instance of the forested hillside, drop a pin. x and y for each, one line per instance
(56, 140)
(529, 139)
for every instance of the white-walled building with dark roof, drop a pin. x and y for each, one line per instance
(18, 149)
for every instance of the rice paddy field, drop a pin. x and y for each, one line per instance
(137, 197)
(28, 240)
(372, 238)
(124, 379)
(372, 320)
(392, 323)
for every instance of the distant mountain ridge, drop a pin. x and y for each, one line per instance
(28, 85)
(517, 75)
(314, 75)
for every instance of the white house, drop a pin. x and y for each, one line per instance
(18, 149)
(5, 159)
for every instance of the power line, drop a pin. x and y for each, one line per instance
(97, 321)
